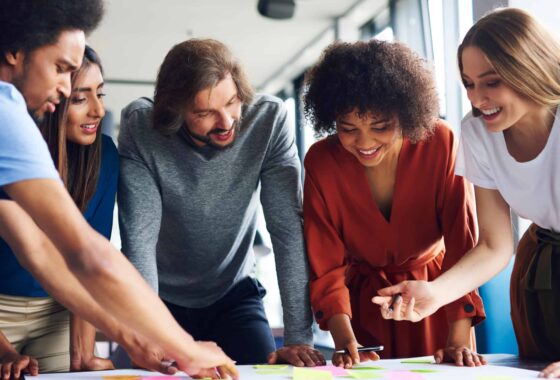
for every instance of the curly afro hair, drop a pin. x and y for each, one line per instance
(372, 76)
(29, 24)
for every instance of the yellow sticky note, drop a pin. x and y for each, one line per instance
(367, 368)
(272, 372)
(270, 366)
(309, 374)
(365, 374)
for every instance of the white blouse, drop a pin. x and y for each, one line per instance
(532, 189)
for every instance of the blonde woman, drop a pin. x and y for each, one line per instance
(510, 144)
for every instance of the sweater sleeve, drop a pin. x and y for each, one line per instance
(281, 201)
(456, 209)
(325, 249)
(139, 199)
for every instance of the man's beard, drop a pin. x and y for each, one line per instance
(35, 113)
(206, 139)
(37, 117)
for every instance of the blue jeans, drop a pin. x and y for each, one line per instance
(236, 322)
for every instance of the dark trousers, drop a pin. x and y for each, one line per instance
(236, 322)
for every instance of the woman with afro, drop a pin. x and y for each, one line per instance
(382, 203)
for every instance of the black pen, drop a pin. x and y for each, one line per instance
(361, 349)
(395, 298)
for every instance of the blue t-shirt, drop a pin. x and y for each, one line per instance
(14, 279)
(23, 151)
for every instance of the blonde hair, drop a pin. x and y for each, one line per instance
(523, 52)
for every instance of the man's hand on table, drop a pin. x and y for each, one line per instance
(206, 359)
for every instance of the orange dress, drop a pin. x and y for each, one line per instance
(354, 251)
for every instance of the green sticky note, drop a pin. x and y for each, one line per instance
(309, 374)
(494, 377)
(417, 361)
(365, 375)
(270, 366)
(272, 372)
(367, 368)
(423, 370)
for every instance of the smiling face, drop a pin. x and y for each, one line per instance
(86, 108)
(213, 117)
(43, 75)
(369, 138)
(500, 105)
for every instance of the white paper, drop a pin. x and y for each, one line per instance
(247, 372)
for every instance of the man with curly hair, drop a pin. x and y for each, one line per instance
(382, 203)
(41, 44)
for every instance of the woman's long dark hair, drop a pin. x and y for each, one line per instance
(78, 165)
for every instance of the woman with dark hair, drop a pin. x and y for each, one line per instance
(382, 203)
(36, 327)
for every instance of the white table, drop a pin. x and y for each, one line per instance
(390, 367)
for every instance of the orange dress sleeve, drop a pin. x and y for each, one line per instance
(456, 206)
(325, 249)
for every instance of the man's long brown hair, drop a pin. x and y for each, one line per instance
(78, 165)
(190, 67)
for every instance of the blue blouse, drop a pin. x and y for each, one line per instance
(14, 279)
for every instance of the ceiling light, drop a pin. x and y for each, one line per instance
(278, 9)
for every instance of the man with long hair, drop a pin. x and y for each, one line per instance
(193, 166)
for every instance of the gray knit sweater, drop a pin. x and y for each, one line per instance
(188, 214)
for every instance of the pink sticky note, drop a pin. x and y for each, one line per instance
(404, 375)
(335, 371)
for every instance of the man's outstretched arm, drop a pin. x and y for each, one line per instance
(39, 256)
(108, 276)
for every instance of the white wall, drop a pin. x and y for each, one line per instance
(546, 11)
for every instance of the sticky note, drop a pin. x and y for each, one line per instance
(310, 374)
(335, 371)
(404, 375)
(270, 366)
(367, 368)
(272, 372)
(160, 378)
(365, 375)
(417, 361)
(422, 370)
(122, 377)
